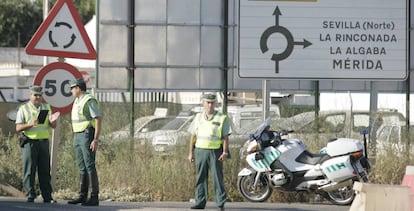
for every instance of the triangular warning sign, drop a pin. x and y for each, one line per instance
(62, 34)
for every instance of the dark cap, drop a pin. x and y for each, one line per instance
(36, 89)
(209, 97)
(78, 82)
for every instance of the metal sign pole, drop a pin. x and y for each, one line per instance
(53, 154)
(266, 96)
(45, 12)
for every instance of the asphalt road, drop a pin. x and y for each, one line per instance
(11, 204)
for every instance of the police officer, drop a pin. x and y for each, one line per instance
(209, 148)
(35, 147)
(86, 123)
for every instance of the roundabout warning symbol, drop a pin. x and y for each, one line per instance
(286, 33)
(67, 43)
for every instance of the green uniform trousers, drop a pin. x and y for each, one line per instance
(36, 156)
(85, 158)
(205, 160)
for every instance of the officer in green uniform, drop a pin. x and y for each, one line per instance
(86, 124)
(36, 154)
(209, 148)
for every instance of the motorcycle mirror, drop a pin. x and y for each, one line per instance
(268, 121)
(11, 115)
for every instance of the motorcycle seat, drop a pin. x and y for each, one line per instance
(310, 158)
(332, 139)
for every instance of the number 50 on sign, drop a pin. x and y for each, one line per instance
(55, 79)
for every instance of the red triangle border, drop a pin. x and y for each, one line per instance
(30, 47)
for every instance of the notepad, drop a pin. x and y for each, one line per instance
(42, 116)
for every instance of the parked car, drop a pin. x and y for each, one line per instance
(333, 124)
(242, 116)
(243, 121)
(394, 138)
(144, 127)
(173, 133)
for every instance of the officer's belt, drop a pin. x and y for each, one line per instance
(43, 139)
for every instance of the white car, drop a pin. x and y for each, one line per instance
(394, 139)
(173, 133)
(145, 128)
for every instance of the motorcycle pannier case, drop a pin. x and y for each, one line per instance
(338, 169)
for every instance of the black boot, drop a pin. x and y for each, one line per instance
(94, 200)
(83, 194)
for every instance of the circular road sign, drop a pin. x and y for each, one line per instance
(55, 79)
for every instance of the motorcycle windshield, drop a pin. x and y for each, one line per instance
(262, 127)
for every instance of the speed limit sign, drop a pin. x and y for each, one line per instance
(55, 79)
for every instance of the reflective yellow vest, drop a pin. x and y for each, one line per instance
(79, 120)
(209, 133)
(40, 131)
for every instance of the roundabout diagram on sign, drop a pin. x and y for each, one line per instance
(69, 42)
(286, 34)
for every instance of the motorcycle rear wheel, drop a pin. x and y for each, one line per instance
(342, 196)
(260, 193)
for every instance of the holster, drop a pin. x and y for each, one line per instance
(23, 139)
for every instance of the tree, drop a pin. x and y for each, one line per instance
(85, 8)
(21, 18)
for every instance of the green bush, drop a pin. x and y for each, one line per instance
(10, 162)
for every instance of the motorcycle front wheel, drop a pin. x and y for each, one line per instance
(260, 193)
(342, 196)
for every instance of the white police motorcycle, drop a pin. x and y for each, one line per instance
(286, 164)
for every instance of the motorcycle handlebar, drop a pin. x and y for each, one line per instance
(284, 132)
(278, 133)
